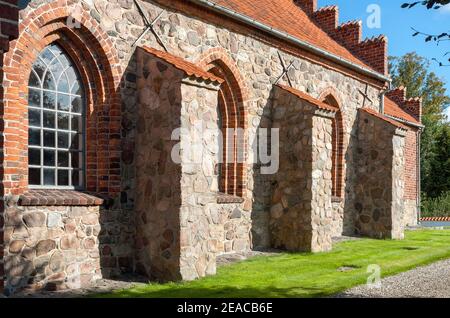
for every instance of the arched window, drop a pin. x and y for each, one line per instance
(56, 114)
(231, 123)
(337, 144)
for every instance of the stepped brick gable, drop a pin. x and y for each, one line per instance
(228, 126)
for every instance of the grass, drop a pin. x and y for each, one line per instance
(305, 274)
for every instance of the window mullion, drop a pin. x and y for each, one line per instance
(51, 69)
(41, 135)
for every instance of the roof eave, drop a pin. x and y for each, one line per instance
(406, 122)
(287, 37)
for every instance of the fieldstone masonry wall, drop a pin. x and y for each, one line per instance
(181, 225)
(158, 195)
(411, 214)
(207, 228)
(301, 212)
(337, 224)
(380, 169)
(51, 247)
(9, 29)
(168, 223)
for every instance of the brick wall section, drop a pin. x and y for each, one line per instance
(413, 106)
(349, 34)
(92, 51)
(411, 165)
(309, 6)
(233, 176)
(412, 209)
(327, 18)
(9, 15)
(96, 59)
(372, 51)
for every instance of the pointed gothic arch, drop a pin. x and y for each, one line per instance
(95, 58)
(232, 119)
(337, 167)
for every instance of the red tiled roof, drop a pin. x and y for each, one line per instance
(308, 98)
(391, 108)
(380, 116)
(286, 16)
(188, 68)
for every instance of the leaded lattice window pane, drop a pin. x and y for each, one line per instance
(56, 116)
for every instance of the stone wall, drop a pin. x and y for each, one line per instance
(158, 195)
(379, 169)
(207, 228)
(117, 241)
(167, 199)
(337, 223)
(55, 240)
(53, 247)
(9, 29)
(411, 214)
(301, 212)
(181, 225)
(256, 61)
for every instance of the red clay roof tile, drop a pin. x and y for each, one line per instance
(286, 16)
(188, 68)
(391, 108)
(308, 98)
(380, 116)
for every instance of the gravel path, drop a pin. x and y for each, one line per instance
(432, 281)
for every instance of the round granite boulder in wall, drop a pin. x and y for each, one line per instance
(45, 246)
(34, 219)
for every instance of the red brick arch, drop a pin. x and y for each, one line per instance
(96, 59)
(233, 97)
(331, 97)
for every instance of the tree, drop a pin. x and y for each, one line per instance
(440, 164)
(437, 38)
(430, 4)
(411, 71)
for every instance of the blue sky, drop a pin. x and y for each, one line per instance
(396, 23)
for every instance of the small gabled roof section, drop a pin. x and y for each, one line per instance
(392, 109)
(382, 117)
(190, 69)
(308, 98)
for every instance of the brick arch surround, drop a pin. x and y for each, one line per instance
(331, 97)
(96, 59)
(232, 98)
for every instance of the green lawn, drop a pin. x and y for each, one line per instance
(308, 275)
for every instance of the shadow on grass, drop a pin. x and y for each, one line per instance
(220, 292)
